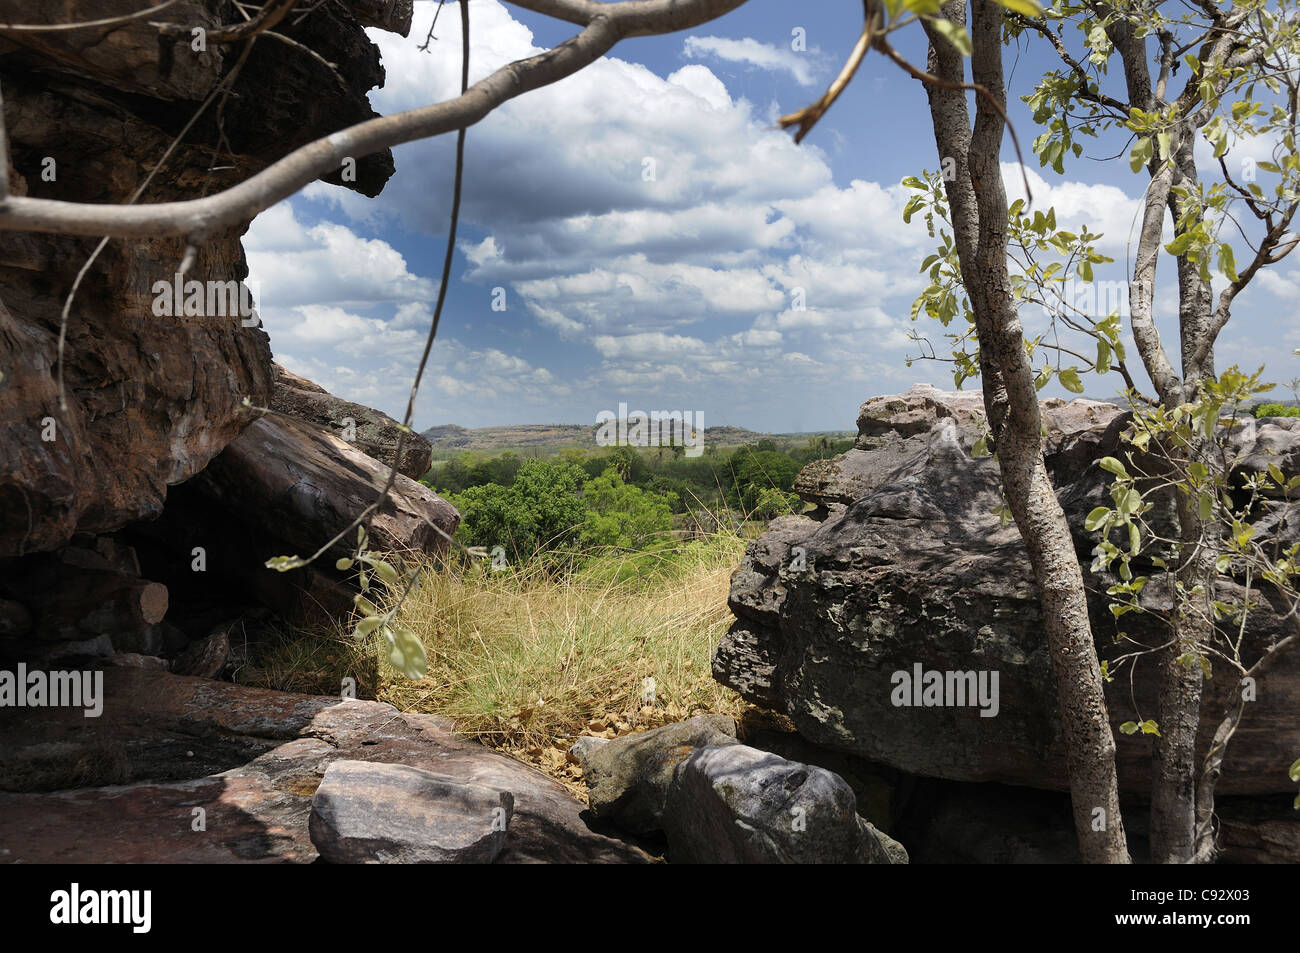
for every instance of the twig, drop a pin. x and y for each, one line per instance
(883, 45)
(807, 117)
(430, 37)
(63, 27)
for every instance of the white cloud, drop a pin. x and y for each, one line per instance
(800, 66)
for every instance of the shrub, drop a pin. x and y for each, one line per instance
(1276, 410)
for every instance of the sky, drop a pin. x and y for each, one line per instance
(642, 233)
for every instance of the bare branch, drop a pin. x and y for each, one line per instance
(608, 24)
(88, 24)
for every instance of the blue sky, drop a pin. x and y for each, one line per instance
(670, 293)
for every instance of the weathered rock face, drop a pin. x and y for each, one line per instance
(127, 787)
(904, 564)
(628, 778)
(150, 398)
(738, 805)
(371, 431)
(365, 813)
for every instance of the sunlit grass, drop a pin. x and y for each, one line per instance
(528, 659)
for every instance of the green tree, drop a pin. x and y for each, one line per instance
(540, 512)
(621, 515)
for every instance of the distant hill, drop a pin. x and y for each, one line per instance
(450, 437)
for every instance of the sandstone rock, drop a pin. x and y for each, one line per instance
(916, 568)
(628, 777)
(736, 804)
(374, 432)
(150, 399)
(303, 486)
(365, 813)
(205, 658)
(124, 787)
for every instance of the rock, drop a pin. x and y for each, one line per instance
(582, 748)
(628, 777)
(303, 485)
(124, 787)
(285, 487)
(365, 813)
(205, 658)
(1273, 441)
(150, 398)
(136, 660)
(736, 804)
(904, 563)
(15, 618)
(372, 432)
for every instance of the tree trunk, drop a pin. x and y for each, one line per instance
(977, 200)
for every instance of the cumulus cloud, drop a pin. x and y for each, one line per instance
(654, 235)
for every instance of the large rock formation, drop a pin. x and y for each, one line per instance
(373, 432)
(904, 564)
(157, 448)
(149, 400)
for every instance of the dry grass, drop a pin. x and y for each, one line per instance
(526, 662)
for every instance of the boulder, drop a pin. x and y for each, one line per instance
(371, 431)
(903, 563)
(190, 770)
(736, 804)
(366, 813)
(206, 657)
(303, 486)
(628, 777)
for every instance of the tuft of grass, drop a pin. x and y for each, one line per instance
(526, 659)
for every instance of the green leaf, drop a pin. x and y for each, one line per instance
(366, 626)
(1103, 355)
(1070, 380)
(954, 33)
(1128, 728)
(365, 605)
(1149, 727)
(386, 572)
(343, 565)
(285, 563)
(1134, 539)
(1141, 154)
(1294, 772)
(1025, 7)
(1111, 465)
(1097, 519)
(406, 652)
